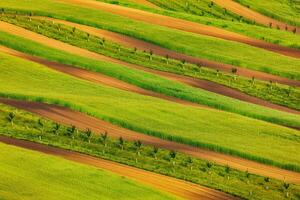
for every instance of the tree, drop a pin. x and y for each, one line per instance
(172, 155)
(121, 143)
(167, 59)
(155, 151)
(286, 187)
(41, 124)
(104, 138)
(56, 128)
(10, 118)
(71, 131)
(150, 54)
(189, 162)
(138, 146)
(234, 70)
(88, 133)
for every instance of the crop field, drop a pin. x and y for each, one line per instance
(140, 156)
(186, 124)
(231, 52)
(285, 10)
(149, 99)
(46, 177)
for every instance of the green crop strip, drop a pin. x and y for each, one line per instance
(275, 93)
(283, 10)
(231, 52)
(29, 175)
(215, 130)
(202, 8)
(152, 82)
(243, 184)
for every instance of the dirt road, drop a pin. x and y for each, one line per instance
(253, 15)
(183, 189)
(82, 121)
(185, 26)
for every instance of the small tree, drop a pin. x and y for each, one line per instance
(150, 54)
(56, 128)
(10, 118)
(189, 162)
(155, 151)
(167, 59)
(234, 70)
(42, 126)
(88, 37)
(172, 155)
(88, 133)
(138, 146)
(121, 143)
(73, 30)
(286, 187)
(71, 131)
(104, 138)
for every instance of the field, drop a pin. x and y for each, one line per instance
(232, 53)
(285, 10)
(46, 177)
(141, 157)
(149, 99)
(154, 118)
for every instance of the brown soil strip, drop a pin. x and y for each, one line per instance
(207, 85)
(253, 15)
(15, 30)
(66, 116)
(171, 185)
(96, 77)
(185, 26)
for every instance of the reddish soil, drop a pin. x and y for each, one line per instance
(210, 86)
(12, 29)
(171, 185)
(186, 26)
(96, 77)
(82, 121)
(253, 15)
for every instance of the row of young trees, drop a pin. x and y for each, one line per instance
(103, 138)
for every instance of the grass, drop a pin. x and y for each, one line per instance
(211, 129)
(283, 10)
(40, 176)
(152, 82)
(239, 25)
(231, 52)
(243, 184)
(279, 94)
(202, 8)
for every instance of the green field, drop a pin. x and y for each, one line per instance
(216, 130)
(28, 175)
(275, 36)
(153, 82)
(26, 126)
(231, 52)
(202, 8)
(284, 10)
(275, 93)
